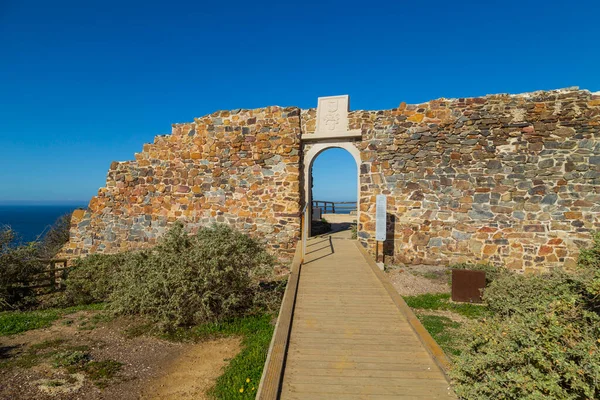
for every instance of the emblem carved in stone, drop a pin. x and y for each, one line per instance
(331, 117)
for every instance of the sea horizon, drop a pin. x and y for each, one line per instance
(31, 220)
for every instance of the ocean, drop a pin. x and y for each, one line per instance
(31, 221)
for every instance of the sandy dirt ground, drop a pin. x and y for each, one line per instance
(151, 368)
(194, 372)
(420, 279)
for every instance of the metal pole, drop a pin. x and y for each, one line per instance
(304, 233)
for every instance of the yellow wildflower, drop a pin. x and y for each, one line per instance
(242, 390)
(247, 380)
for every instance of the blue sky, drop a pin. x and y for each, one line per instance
(83, 83)
(334, 176)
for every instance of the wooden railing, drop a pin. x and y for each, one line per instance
(53, 278)
(335, 207)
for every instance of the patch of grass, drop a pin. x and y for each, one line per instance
(101, 372)
(444, 331)
(441, 301)
(245, 370)
(439, 276)
(35, 354)
(14, 322)
(88, 324)
(25, 360)
(47, 344)
(430, 275)
(78, 359)
(148, 329)
(70, 358)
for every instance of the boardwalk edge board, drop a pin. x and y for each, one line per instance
(271, 380)
(434, 349)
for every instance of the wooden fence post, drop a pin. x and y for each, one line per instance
(52, 275)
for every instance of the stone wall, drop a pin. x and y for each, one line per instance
(238, 167)
(504, 179)
(509, 179)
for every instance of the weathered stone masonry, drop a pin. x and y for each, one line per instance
(506, 179)
(238, 167)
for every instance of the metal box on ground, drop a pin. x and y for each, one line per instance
(467, 285)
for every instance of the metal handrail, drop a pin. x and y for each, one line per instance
(330, 206)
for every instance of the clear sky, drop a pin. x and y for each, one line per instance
(83, 83)
(334, 176)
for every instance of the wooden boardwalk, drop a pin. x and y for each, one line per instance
(349, 339)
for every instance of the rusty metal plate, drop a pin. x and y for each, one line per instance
(467, 285)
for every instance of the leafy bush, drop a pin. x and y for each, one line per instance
(56, 237)
(92, 278)
(519, 294)
(18, 265)
(186, 280)
(589, 272)
(551, 354)
(543, 340)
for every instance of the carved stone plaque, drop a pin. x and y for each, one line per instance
(332, 119)
(332, 114)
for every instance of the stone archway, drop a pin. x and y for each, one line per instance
(311, 153)
(331, 131)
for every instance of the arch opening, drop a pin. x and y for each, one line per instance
(331, 173)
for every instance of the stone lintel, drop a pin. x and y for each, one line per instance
(357, 133)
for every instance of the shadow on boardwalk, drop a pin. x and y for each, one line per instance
(349, 340)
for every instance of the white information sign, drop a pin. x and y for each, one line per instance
(380, 218)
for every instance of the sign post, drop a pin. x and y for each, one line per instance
(380, 226)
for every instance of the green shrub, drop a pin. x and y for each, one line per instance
(186, 280)
(551, 354)
(92, 278)
(512, 293)
(354, 230)
(589, 272)
(56, 237)
(543, 341)
(18, 265)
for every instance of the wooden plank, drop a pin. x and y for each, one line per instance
(352, 373)
(349, 339)
(372, 366)
(333, 336)
(364, 358)
(421, 390)
(331, 348)
(352, 350)
(270, 383)
(405, 381)
(431, 345)
(347, 396)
